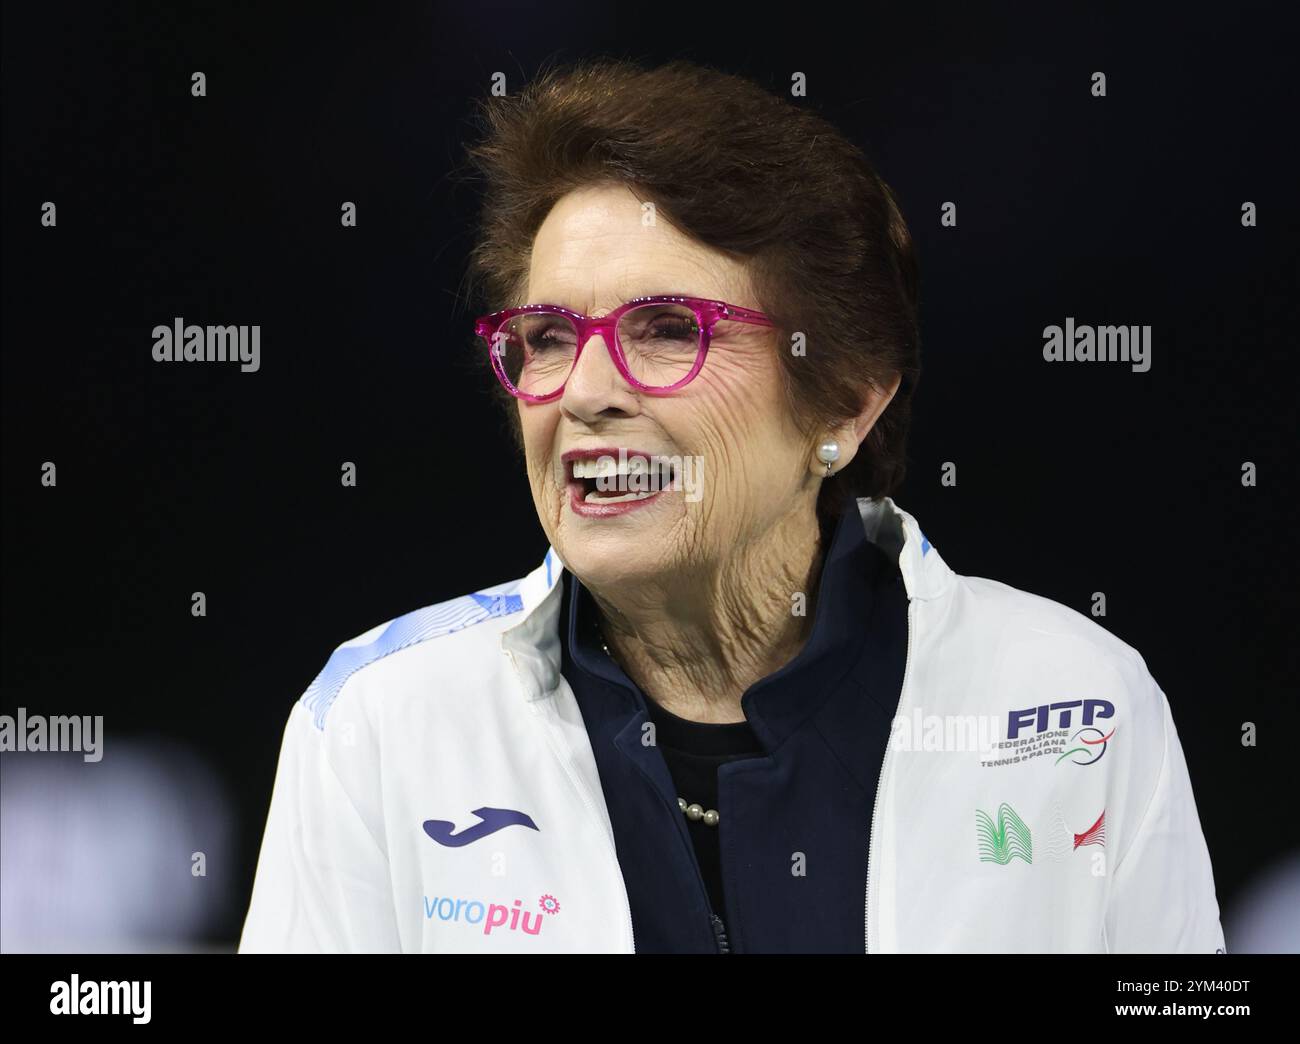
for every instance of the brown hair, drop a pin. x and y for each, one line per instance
(750, 174)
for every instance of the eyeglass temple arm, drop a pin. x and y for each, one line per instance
(745, 315)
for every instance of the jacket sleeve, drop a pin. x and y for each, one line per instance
(1162, 897)
(322, 883)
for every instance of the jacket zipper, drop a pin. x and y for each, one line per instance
(875, 807)
(720, 934)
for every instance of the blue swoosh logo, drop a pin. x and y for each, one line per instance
(493, 819)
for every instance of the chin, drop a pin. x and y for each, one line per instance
(606, 561)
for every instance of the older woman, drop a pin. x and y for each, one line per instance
(674, 735)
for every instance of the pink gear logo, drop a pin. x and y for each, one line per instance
(549, 904)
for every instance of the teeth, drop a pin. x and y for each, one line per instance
(607, 467)
(600, 498)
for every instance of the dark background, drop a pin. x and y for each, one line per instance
(1072, 478)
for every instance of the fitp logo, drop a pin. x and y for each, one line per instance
(1066, 730)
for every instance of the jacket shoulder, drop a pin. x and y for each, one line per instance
(1037, 621)
(1045, 653)
(467, 625)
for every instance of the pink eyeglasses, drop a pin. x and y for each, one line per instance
(658, 343)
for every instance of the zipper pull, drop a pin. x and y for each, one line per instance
(720, 934)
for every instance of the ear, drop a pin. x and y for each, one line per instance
(852, 432)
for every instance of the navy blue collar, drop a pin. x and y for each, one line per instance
(776, 705)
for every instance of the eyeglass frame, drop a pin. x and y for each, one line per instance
(708, 314)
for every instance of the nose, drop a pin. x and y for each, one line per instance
(595, 388)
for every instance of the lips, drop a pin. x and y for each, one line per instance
(610, 480)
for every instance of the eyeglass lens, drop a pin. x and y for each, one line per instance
(660, 344)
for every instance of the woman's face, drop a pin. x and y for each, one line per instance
(746, 464)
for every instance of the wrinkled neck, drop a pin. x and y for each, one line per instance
(694, 642)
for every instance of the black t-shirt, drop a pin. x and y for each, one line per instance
(693, 751)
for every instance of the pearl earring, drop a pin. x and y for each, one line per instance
(828, 453)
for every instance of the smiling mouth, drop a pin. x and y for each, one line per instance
(606, 479)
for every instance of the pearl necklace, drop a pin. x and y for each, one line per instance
(695, 812)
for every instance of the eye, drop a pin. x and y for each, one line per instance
(660, 327)
(673, 328)
(542, 338)
(544, 334)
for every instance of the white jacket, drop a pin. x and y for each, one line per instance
(1079, 834)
